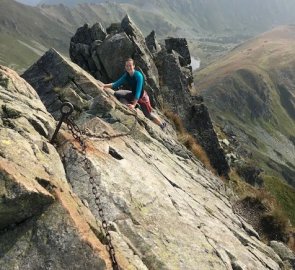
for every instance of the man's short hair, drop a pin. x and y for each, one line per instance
(130, 59)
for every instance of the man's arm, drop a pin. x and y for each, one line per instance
(119, 82)
(107, 85)
(139, 85)
(116, 84)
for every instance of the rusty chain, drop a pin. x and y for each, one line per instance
(79, 136)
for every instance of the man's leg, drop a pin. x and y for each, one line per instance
(147, 111)
(125, 96)
(152, 116)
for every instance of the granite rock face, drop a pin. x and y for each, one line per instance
(165, 210)
(285, 253)
(43, 224)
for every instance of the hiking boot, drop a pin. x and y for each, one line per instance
(163, 125)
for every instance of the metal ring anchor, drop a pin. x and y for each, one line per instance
(66, 109)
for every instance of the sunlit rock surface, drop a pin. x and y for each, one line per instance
(165, 210)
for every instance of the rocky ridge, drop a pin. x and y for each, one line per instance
(165, 210)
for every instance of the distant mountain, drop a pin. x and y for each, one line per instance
(68, 2)
(251, 95)
(212, 26)
(29, 2)
(217, 16)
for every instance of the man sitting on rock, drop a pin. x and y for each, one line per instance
(137, 95)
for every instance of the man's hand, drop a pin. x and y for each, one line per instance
(106, 85)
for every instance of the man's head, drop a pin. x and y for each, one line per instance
(129, 65)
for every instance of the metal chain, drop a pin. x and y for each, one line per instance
(79, 136)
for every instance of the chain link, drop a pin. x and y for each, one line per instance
(79, 137)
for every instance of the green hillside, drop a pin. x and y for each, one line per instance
(17, 52)
(25, 34)
(251, 95)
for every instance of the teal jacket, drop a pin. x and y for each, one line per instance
(136, 82)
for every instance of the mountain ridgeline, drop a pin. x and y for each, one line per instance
(32, 30)
(213, 16)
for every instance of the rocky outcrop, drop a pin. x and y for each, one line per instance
(176, 85)
(164, 209)
(43, 224)
(168, 73)
(152, 43)
(200, 125)
(104, 56)
(82, 48)
(180, 46)
(251, 174)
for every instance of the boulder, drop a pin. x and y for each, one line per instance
(120, 47)
(86, 35)
(56, 80)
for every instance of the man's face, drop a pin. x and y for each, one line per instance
(129, 66)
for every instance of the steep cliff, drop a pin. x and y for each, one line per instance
(164, 209)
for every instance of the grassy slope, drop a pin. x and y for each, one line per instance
(283, 193)
(259, 65)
